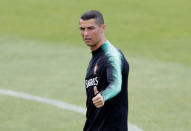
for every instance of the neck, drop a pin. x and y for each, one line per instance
(97, 45)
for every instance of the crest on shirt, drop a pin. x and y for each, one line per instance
(95, 69)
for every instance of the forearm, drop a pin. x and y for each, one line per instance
(112, 90)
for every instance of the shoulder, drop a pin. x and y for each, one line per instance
(111, 52)
(112, 55)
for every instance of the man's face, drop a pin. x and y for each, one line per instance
(91, 32)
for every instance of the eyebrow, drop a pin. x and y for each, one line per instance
(89, 27)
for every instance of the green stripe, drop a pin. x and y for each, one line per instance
(114, 58)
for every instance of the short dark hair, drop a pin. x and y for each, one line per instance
(93, 14)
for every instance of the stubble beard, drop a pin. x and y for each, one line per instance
(94, 45)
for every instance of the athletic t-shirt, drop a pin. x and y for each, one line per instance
(108, 70)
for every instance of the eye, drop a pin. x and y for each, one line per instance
(91, 28)
(82, 29)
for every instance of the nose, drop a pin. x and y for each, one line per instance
(85, 32)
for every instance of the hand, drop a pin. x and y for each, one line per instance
(98, 100)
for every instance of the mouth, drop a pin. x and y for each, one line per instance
(87, 39)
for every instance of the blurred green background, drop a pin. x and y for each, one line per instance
(41, 53)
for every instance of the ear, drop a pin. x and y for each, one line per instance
(103, 26)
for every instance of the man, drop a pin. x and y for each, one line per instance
(106, 78)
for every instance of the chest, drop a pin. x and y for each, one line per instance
(95, 71)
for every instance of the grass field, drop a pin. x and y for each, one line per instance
(41, 53)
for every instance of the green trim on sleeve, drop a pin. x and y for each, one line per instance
(114, 58)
